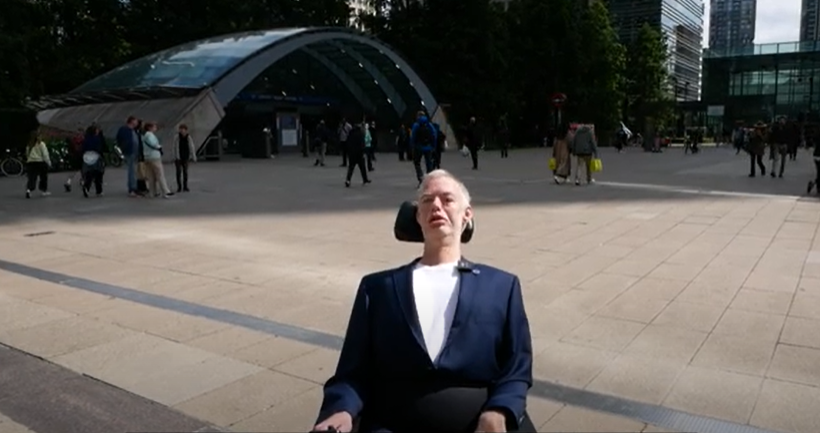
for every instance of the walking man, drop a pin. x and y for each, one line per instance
(778, 146)
(320, 143)
(423, 142)
(355, 153)
(127, 141)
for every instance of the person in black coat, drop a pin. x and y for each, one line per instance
(356, 153)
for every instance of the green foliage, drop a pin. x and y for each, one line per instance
(601, 94)
(481, 59)
(647, 77)
(53, 46)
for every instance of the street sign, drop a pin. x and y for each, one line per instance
(558, 100)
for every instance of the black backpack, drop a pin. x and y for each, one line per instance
(424, 135)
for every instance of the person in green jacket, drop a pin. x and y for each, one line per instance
(38, 163)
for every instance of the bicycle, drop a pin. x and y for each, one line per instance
(12, 164)
(114, 158)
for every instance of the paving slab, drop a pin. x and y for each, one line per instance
(38, 396)
(675, 282)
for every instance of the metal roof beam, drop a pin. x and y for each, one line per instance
(351, 84)
(381, 80)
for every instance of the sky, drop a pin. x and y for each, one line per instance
(777, 21)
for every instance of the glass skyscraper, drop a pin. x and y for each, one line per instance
(732, 23)
(810, 20)
(681, 22)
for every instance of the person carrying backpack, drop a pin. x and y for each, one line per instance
(423, 142)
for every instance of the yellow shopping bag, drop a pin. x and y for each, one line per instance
(597, 165)
(553, 164)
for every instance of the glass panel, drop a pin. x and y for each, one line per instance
(195, 64)
(768, 80)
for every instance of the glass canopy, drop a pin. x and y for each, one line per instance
(192, 65)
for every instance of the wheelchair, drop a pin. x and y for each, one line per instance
(407, 228)
(437, 408)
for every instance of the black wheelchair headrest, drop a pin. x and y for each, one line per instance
(407, 228)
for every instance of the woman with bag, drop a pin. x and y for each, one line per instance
(38, 162)
(561, 162)
(153, 162)
(94, 148)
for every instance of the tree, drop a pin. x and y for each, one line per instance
(551, 52)
(646, 78)
(457, 47)
(601, 96)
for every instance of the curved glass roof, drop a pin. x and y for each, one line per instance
(193, 65)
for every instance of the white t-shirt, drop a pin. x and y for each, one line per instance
(435, 289)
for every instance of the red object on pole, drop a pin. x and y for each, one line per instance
(558, 99)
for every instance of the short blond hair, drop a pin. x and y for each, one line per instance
(438, 174)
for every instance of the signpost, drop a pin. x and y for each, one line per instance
(558, 100)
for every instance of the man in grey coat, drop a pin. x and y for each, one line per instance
(585, 147)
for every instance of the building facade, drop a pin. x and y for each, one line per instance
(681, 22)
(809, 20)
(762, 82)
(732, 23)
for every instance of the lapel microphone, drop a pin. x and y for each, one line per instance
(466, 266)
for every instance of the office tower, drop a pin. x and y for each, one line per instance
(809, 19)
(681, 22)
(732, 23)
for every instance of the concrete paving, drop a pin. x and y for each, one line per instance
(674, 281)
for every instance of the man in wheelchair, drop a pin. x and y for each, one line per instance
(440, 344)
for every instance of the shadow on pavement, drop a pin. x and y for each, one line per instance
(291, 184)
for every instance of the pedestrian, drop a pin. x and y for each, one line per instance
(504, 139)
(374, 141)
(441, 146)
(153, 161)
(757, 148)
(779, 145)
(561, 154)
(368, 144)
(423, 143)
(38, 163)
(402, 142)
(128, 142)
(94, 151)
(356, 153)
(142, 167)
(320, 143)
(585, 147)
(75, 159)
(343, 133)
(473, 141)
(184, 153)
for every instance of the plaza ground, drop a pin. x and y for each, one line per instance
(675, 294)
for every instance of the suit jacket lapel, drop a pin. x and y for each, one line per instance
(469, 284)
(403, 286)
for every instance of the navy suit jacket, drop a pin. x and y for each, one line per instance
(384, 360)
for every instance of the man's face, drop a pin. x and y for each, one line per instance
(183, 131)
(442, 210)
